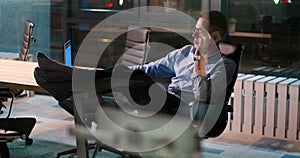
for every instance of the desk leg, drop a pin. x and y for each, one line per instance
(81, 141)
(4, 151)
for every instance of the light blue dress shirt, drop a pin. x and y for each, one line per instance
(179, 65)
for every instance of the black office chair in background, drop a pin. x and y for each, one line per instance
(13, 128)
(136, 47)
(28, 39)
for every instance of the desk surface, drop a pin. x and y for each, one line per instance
(19, 75)
(250, 35)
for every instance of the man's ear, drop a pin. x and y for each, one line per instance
(216, 36)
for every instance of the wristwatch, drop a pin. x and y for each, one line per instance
(197, 57)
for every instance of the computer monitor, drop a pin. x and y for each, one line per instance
(68, 53)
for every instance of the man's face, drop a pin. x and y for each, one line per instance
(201, 29)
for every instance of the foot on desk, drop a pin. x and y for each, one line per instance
(48, 65)
(60, 89)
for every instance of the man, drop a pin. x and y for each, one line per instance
(188, 67)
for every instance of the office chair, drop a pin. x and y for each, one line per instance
(27, 40)
(136, 47)
(13, 128)
(135, 53)
(234, 52)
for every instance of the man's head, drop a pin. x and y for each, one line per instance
(212, 22)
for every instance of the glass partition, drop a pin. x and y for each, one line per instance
(269, 29)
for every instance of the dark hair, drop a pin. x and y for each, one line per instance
(217, 21)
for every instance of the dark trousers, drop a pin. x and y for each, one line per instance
(138, 92)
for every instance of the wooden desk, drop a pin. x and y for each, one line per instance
(252, 41)
(18, 75)
(249, 35)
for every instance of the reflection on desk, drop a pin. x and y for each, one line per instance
(18, 75)
(250, 35)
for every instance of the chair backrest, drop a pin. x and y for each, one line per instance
(27, 39)
(234, 52)
(136, 47)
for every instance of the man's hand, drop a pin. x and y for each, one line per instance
(206, 44)
(199, 64)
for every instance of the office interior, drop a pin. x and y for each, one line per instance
(268, 29)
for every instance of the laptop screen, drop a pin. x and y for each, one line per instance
(68, 53)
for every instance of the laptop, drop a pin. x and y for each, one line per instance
(67, 53)
(68, 57)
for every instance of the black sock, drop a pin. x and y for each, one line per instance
(58, 88)
(48, 65)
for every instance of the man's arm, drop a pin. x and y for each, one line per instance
(160, 68)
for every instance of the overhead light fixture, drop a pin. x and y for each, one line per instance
(276, 1)
(121, 2)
